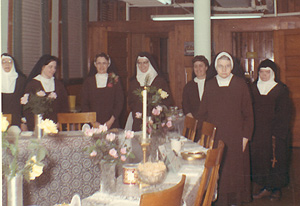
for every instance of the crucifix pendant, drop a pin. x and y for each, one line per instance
(274, 160)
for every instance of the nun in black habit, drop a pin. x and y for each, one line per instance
(269, 146)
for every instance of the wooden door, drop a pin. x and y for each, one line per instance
(287, 56)
(117, 49)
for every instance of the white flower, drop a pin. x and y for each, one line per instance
(4, 123)
(102, 128)
(111, 137)
(48, 126)
(36, 171)
(41, 93)
(93, 153)
(24, 99)
(138, 115)
(52, 95)
(164, 94)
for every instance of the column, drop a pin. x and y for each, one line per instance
(202, 28)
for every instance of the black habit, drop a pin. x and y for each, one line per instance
(272, 115)
(11, 101)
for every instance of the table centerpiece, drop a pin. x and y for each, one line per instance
(39, 104)
(109, 150)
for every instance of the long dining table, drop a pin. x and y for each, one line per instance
(129, 195)
(68, 171)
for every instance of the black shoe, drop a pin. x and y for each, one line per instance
(276, 195)
(263, 193)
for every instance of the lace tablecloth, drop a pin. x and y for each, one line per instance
(129, 195)
(67, 171)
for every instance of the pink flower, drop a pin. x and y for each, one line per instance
(159, 108)
(41, 93)
(109, 85)
(150, 122)
(89, 132)
(123, 150)
(52, 95)
(169, 124)
(93, 153)
(113, 152)
(138, 115)
(24, 99)
(129, 134)
(111, 137)
(155, 112)
(163, 124)
(116, 79)
(101, 129)
(123, 158)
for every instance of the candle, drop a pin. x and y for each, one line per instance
(144, 113)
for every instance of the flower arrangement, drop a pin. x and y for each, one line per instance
(108, 146)
(160, 114)
(33, 167)
(112, 79)
(39, 102)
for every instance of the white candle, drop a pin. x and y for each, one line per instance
(144, 113)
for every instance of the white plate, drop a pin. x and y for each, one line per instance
(85, 127)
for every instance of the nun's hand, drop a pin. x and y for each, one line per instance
(245, 141)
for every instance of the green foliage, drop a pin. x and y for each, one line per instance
(39, 104)
(10, 163)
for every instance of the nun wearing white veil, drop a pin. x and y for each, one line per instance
(12, 87)
(272, 111)
(146, 74)
(226, 103)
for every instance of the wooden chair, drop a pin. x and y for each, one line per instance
(171, 196)
(208, 133)
(74, 120)
(8, 118)
(210, 176)
(190, 127)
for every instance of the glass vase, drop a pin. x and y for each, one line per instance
(37, 130)
(107, 177)
(14, 190)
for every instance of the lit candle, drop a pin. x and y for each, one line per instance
(144, 113)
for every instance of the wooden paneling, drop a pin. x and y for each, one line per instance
(222, 29)
(287, 56)
(259, 43)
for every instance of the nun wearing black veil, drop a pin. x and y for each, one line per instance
(13, 83)
(269, 146)
(227, 104)
(42, 78)
(146, 72)
(102, 93)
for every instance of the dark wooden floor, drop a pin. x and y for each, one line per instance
(291, 193)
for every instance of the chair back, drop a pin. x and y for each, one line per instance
(73, 121)
(171, 196)
(8, 117)
(208, 133)
(190, 127)
(210, 176)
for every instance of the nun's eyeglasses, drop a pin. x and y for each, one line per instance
(6, 61)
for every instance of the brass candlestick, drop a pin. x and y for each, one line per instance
(144, 149)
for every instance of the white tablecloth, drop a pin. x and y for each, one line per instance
(129, 195)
